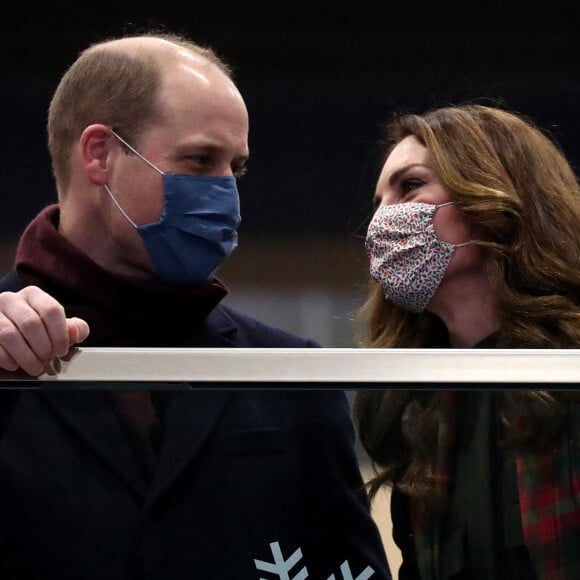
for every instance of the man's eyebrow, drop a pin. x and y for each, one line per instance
(207, 147)
(396, 175)
(187, 148)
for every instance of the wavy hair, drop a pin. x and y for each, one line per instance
(512, 183)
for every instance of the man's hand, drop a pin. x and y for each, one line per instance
(34, 331)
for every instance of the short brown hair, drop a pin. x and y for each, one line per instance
(116, 87)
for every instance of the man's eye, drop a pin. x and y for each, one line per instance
(201, 159)
(411, 184)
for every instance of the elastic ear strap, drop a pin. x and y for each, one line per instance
(455, 245)
(119, 207)
(136, 152)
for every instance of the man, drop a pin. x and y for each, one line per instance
(147, 135)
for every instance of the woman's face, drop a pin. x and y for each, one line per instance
(407, 176)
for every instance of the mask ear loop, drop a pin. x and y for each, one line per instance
(132, 149)
(119, 207)
(444, 204)
(454, 245)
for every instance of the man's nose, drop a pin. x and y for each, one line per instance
(224, 170)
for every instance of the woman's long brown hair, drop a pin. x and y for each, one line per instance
(513, 184)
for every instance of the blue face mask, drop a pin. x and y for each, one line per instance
(197, 228)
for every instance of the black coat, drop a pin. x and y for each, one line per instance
(240, 475)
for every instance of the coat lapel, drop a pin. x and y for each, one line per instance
(189, 417)
(188, 420)
(88, 415)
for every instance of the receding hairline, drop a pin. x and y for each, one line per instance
(160, 49)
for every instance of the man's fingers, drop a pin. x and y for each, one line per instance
(7, 363)
(15, 352)
(52, 340)
(22, 331)
(34, 331)
(78, 330)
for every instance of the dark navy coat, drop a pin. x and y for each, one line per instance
(250, 484)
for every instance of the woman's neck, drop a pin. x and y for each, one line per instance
(468, 312)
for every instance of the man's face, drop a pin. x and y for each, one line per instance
(204, 131)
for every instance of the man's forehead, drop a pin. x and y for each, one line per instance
(200, 92)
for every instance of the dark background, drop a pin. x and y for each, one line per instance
(319, 79)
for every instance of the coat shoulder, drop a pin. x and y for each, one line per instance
(11, 282)
(251, 333)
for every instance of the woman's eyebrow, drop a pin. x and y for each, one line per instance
(396, 175)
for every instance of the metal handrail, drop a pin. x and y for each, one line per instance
(341, 368)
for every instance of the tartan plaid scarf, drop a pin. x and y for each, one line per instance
(549, 494)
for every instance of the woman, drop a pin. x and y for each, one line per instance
(476, 243)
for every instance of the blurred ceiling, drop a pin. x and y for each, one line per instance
(319, 78)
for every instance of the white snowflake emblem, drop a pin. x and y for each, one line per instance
(282, 567)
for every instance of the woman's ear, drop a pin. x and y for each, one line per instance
(95, 143)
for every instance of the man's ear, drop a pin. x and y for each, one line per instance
(95, 149)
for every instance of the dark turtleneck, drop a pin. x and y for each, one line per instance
(120, 311)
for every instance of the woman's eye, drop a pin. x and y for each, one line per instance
(411, 184)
